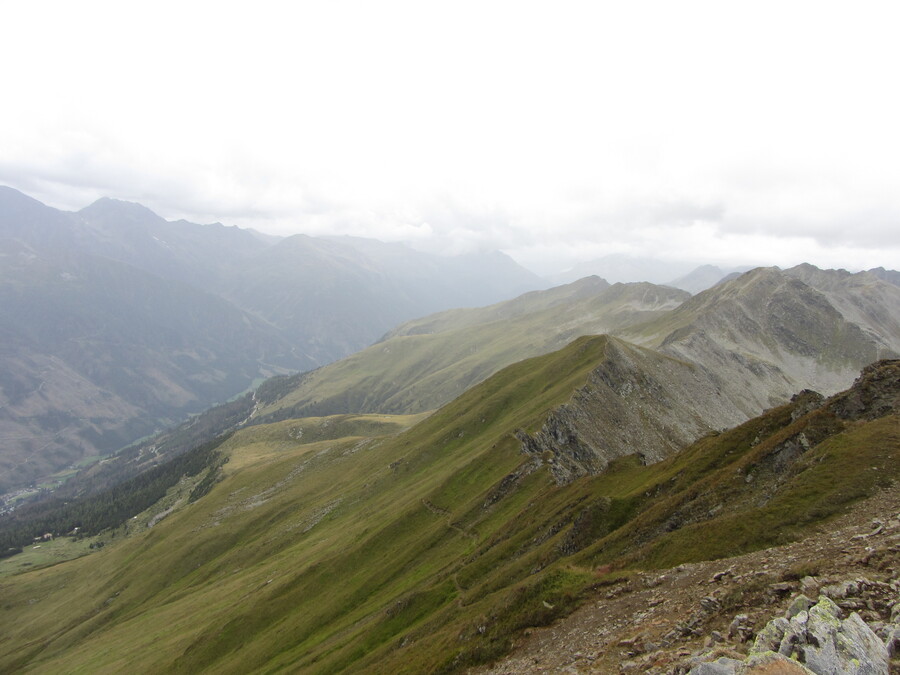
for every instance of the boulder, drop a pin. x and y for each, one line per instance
(813, 639)
(826, 644)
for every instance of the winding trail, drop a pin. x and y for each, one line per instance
(444, 513)
(439, 511)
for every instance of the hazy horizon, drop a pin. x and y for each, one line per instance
(697, 131)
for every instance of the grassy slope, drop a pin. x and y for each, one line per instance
(527, 303)
(313, 541)
(424, 551)
(431, 361)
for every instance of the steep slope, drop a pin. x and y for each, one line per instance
(428, 551)
(117, 322)
(108, 334)
(94, 353)
(703, 277)
(427, 362)
(767, 334)
(638, 403)
(277, 509)
(335, 296)
(863, 298)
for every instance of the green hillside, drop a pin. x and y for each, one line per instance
(761, 337)
(339, 545)
(425, 363)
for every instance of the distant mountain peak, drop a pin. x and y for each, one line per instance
(13, 201)
(890, 276)
(591, 281)
(106, 207)
(9, 194)
(705, 276)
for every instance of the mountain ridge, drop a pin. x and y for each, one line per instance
(141, 279)
(414, 369)
(767, 334)
(427, 551)
(761, 337)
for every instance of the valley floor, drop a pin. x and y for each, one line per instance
(655, 622)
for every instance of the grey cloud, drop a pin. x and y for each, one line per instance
(554, 237)
(860, 227)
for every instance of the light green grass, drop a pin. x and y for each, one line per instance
(431, 361)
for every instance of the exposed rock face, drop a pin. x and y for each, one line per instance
(824, 642)
(770, 333)
(635, 402)
(639, 402)
(807, 401)
(870, 301)
(815, 640)
(874, 394)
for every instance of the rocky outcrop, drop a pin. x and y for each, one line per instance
(636, 402)
(870, 301)
(639, 402)
(825, 643)
(769, 333)
(812, 638)
(875, 393)
(720, 370)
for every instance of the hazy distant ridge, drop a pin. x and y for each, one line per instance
(117, 322)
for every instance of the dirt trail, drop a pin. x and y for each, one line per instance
(438, 511)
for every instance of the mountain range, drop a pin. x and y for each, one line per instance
(117, 323)
(422, 504)
(688, 276)
(760, 338)
(753, 341)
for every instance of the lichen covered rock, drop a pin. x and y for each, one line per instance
(817, 640)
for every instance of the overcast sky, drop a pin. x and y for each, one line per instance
(736, 133)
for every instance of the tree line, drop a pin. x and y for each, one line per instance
(113, 506)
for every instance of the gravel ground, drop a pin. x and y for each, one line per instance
(657, 621)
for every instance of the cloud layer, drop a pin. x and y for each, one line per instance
(697, 130)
